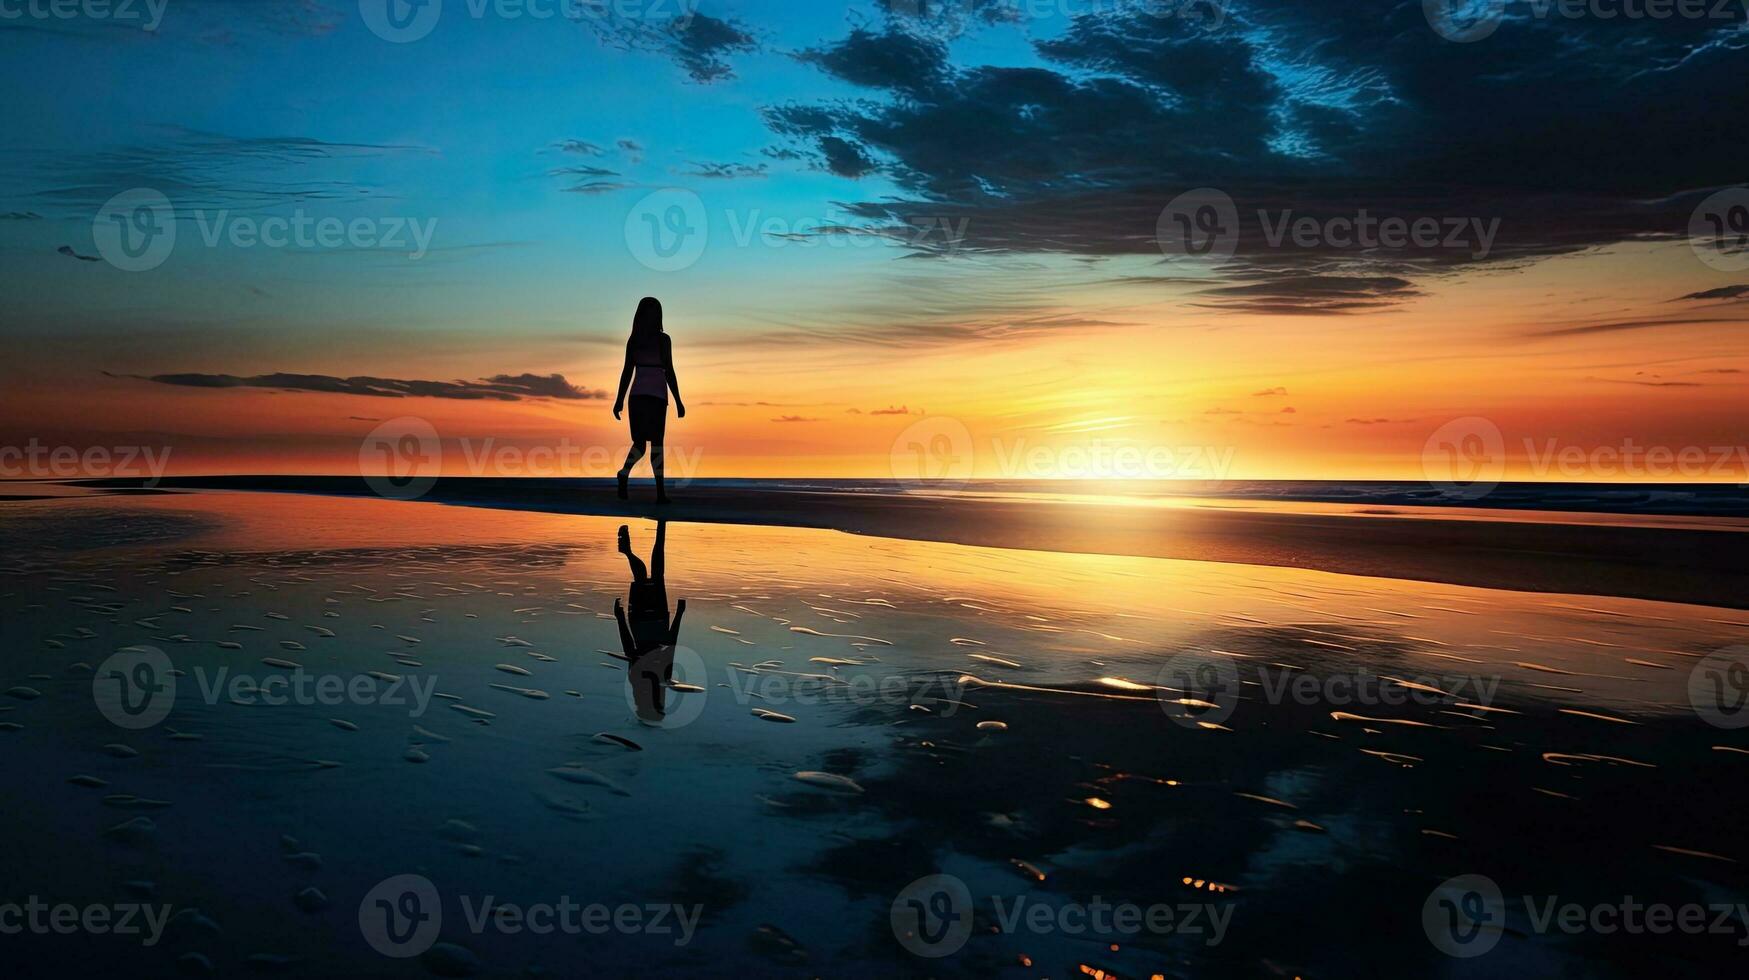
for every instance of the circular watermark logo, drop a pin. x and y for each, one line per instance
(401, 458)
(1718, 688)
(1209, 15)
(135, 230)
(1198, 228)
(1464, 916)
(667, 229)
(400, 21)
(667, 687)
(932, 916)
(932, 451)
(1198, 688)
(1464, 21)
(1718, 230)
(135, 687)
(1465, 457)
(402, 916)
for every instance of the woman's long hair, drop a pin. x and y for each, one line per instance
(647, 322)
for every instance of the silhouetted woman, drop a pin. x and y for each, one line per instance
(650, 354)
(648, 636)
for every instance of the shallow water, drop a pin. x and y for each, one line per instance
(1303, 757)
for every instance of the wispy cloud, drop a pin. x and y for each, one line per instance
(202, 170)
(500, 387)
(728, 171)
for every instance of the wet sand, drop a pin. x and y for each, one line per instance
(1672, 559)
(847, 716)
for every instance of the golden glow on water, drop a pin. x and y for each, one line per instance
(1052, 624)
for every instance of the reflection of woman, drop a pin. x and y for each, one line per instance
(650, 356)
(647, 636)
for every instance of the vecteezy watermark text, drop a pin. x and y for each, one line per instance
(1199, 689)
(1466, 916)
(402, 917)
(35, 460)
(1465, 21)
(667, 230)
(39, 917)
(767, 686)
(136, 687)
(1469, 457)
(405, 21)
(402, 458)
(136, 230)
(1204, 228)
(147, 13)
(932, 917)
(303, 230)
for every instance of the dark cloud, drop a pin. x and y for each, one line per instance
(501, 387)
(586, 178)
(1722, 292)
(1644, 383)
(67, 250)
(597, 187)
(1617, 326)
(727, 171)
(845, 158)
(701, 45)
(1323, 295)
(795, 418)
(895, 60)
(1269, 392)
(582, 171)
(890, 410)
(698, 43)
(1320, 109)
(20, 216)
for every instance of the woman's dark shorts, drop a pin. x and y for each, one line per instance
(649, 418)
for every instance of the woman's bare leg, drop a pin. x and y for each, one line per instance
(632, 456)
(656, 467)
(639, 572)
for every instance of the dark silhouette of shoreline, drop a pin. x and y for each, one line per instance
(1703, 566)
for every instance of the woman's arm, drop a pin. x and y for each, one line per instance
(625, 381)
(673, 381)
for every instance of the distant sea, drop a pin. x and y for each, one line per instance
(1722, 500)
(1653, 499)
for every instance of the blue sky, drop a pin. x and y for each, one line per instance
(462, 126)
(1008, 166)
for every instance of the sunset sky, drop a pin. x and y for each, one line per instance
(948, 211)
